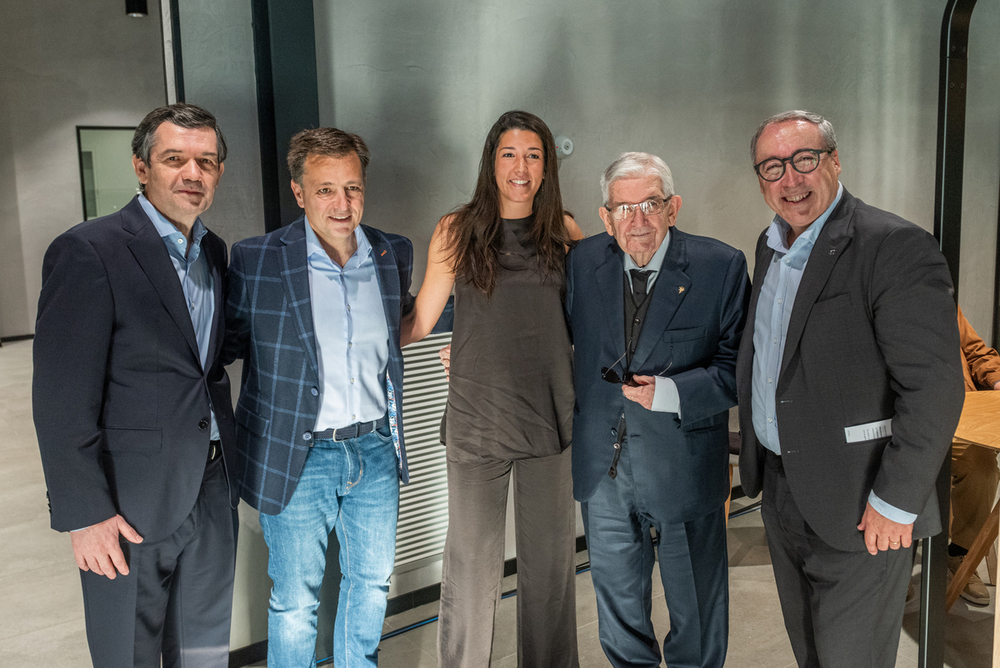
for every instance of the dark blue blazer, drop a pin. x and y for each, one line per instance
(120, 397)
(692, 332)
(269, 324)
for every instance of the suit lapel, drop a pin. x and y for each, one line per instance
(216, 262)
(671, 287)
(610, 281)
(387, 273)
(151, 253)
(833, 239)
(294, 271)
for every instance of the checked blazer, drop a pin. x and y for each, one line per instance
(269, 324)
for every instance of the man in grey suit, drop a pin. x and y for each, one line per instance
(133, 409)
(850, 388)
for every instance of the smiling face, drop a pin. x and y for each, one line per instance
(520, 168)
(333, 196)
(182, 174)
(640, 236)
(798, 198)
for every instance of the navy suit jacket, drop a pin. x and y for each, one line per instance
(270, 325)
(121, 401)
(691, 334)
(873, 335)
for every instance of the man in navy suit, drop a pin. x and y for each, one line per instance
(314, 311)
(132, 407)
(656, 316)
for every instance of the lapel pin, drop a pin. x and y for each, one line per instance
(833, 251)
(680, 289)
(383, 253)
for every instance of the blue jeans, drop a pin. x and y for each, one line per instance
(350, 486)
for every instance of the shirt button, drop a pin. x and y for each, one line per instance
(636, 321)
(779, 301)
(769, 420)
(307, 436)
(769, 380)
(350, 344)
(315, 392)
(353, 416)
(352, 381)
(348, 307)
(774, 340)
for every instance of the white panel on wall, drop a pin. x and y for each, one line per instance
(423, 503)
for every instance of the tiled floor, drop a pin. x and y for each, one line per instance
(41, 608)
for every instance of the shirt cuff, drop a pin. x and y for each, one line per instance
(891, 512)
(665, 396)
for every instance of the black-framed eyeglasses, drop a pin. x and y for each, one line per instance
(803, 161)
(649, 207)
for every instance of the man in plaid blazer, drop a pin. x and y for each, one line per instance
(314, 311)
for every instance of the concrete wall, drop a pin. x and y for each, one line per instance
(423, 82)
(64, 64)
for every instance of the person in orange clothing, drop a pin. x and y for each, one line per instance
(974, 472)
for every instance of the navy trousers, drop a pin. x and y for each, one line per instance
(693, 568)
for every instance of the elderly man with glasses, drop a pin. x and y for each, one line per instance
(850, 389)
(656, 316)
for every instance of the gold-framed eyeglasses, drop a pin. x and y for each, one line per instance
(803, 161)
(649, 207)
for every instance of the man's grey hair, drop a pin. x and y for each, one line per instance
(633, 165)
(825, 129)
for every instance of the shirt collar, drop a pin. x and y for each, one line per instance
(169, 232)
(655, 262)
(315, 248)
(798, 252)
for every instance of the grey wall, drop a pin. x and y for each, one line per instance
(217, 48)
(64, 64)
(423, 82)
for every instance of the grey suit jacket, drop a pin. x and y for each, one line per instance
(872, 336)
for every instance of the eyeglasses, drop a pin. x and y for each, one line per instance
(803, 161)
(650, 207)
(609, 374)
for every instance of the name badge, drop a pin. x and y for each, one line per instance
(869, 431)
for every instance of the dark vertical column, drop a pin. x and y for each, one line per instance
(175, 36)
(287, 97)
(948, 231)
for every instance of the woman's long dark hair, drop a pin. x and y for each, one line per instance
(476, 234)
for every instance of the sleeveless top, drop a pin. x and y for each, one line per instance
(510, 391)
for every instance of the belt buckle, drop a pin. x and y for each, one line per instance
(348, 433)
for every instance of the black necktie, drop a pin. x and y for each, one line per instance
(640, 279)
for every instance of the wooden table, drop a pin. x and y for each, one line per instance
(979, 425)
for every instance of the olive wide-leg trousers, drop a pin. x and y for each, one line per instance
(545, 523)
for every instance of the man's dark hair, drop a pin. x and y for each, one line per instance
(325, 141)
(182, 115)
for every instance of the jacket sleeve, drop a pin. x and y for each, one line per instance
(914, 319)
(709, 390)
(982, 362)
(237, 310)
(73, 333)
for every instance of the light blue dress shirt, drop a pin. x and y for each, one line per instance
(352, 336)
(665, 397)
(196, 280)
(770, 329)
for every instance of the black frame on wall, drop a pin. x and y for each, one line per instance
(79, 153)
